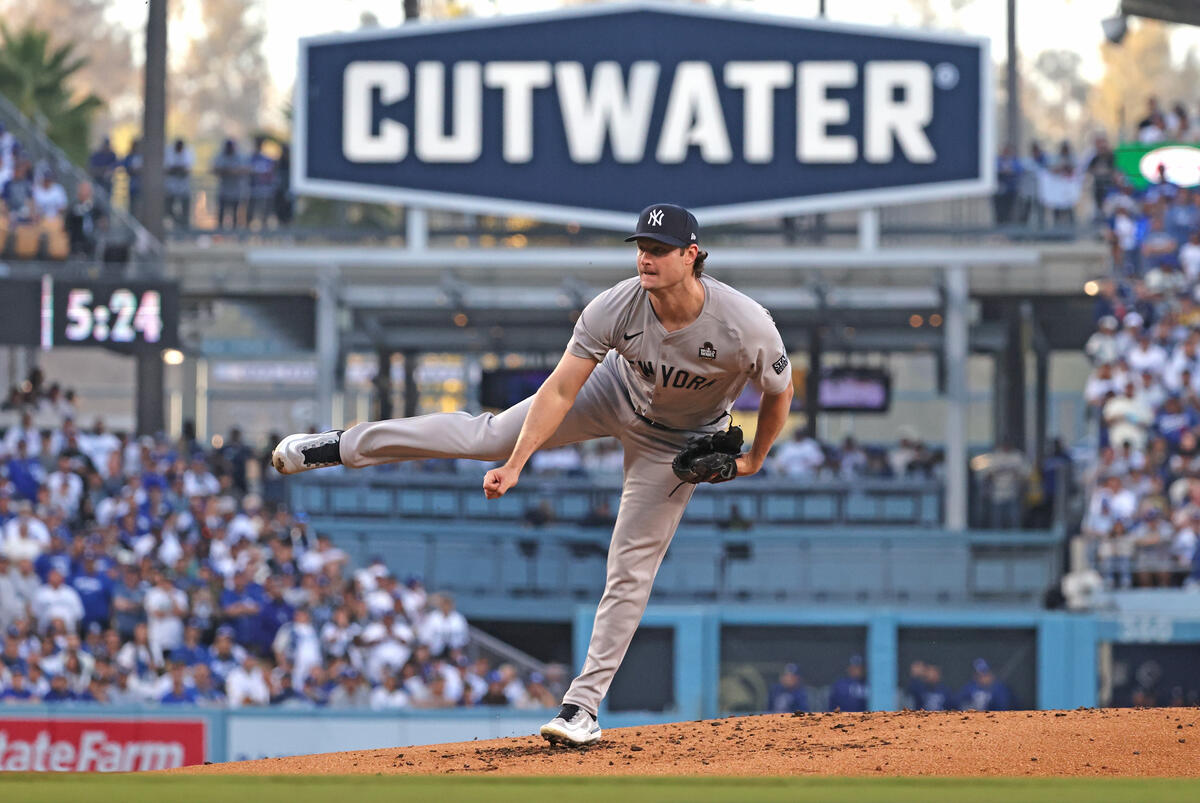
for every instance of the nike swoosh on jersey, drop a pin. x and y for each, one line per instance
(632, 336)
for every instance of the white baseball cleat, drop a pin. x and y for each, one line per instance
(304, 452)
(573, 727)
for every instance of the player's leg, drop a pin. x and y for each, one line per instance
(450, 435)
(645, 525)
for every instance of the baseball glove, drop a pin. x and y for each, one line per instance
(709, 458)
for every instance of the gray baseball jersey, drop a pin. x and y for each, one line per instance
(647, 379)
(690, 377)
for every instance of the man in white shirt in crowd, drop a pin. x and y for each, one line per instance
(166, 606)
(57, 600)
(98, 444)
(1127, 417)
(297, 642)
(801, 457)
(198, 480)
(388, 645)
(1102, 347)
(314, 560)
(26, 536)
(65, 486)
(1146, 355)
(444, 628)
(27, 432)
(1113, 500)
(247, 684)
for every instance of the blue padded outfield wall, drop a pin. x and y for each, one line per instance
(1065, 653)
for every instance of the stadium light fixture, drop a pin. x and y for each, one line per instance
(172, 356)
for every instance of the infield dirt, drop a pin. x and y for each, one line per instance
(1101, 742)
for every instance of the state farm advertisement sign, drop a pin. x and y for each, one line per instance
(99, 745)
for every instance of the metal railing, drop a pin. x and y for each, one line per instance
(937, 222)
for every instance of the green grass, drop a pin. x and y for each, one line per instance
(443, 789)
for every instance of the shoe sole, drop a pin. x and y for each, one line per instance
(557, 737)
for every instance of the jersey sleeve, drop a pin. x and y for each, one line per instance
(770, 371)
(593, 335)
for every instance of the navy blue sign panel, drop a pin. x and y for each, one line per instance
(585, 114)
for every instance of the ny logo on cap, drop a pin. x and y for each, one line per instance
(656, 218)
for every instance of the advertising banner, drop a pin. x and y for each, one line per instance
(100, 745)
(583, 114)
(1143, 165)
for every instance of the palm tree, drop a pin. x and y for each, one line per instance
(35, 76)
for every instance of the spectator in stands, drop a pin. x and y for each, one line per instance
(788, 694)
(12, 607)
(177, 183)
(49, 199)
(351, 691)
(241, 605)
(849, 692)
(1029, 202)
(852, 459)
(180, 691)
(444, 629)
(1101, 346)
(18, 192)
(1003, 474)
(102, 165)
(736, 522)
(284, 202)
(1128, 417)
(128, 602)
(1153, 539)
(801, 457)
(247, 684)
(599, 515)
(1008, 180)
(262, 184)
(166, 607)
(985, 692)
(132, 164)
(1103, 170)
(232, 172)
(57, 600)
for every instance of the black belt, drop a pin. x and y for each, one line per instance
(664, 427)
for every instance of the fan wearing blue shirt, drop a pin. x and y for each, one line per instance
(95, 589)
(190, 652)
(242, 606)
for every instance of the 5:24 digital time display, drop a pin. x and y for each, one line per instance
(115, 314)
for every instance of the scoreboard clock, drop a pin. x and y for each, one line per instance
(121, 315)
(135, 316)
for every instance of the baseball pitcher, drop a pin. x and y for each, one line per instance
(656, 362)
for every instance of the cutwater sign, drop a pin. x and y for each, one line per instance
(581, 115)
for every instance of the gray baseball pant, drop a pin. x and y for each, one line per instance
(646, 519)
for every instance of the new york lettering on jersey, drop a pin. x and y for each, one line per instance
(691, 375)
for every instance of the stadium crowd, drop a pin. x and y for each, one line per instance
(1046, 186)
(41, 219)
(141, 571)
(1142, 520)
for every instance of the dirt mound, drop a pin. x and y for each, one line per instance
(1109, 742)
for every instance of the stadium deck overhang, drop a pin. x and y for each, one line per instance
(526, 299)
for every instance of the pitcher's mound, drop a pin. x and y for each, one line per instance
(1106, 742)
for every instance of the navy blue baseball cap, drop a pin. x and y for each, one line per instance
(668, 224)
(981, 666)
